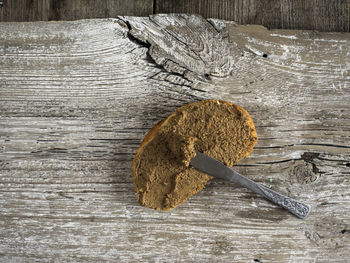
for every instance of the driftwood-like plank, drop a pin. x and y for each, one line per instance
(76, 99)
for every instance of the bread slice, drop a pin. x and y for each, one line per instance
(162, 176)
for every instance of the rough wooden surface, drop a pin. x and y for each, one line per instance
(76, 99)
(47, 10)
(322, 15)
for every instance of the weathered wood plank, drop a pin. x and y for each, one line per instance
(76, 99)
(23, 10)
(82, 9)
(44, 10)
(322, 15)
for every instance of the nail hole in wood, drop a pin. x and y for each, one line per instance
(264, 55)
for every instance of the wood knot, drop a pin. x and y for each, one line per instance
(304, 173)
(305, 170)
(309, 156)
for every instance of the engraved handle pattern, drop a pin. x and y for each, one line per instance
(215, 168)
(297, 208)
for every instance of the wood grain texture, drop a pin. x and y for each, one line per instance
(47, 10)
(76, 99)
(24, 10)
(322, 15)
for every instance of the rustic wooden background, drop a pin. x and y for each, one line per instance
(322, 15)
(77, 97)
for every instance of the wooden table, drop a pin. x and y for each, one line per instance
(76, 99)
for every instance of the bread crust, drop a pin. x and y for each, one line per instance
(153, 132)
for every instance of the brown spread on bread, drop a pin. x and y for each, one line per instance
(162, 176)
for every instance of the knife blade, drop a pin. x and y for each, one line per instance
(211, 166)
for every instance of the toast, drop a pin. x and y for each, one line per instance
(162, 176)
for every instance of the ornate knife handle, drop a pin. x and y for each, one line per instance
(295, 207)
(215, 168)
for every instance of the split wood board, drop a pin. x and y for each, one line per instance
(76, 99)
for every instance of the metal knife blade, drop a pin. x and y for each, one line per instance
(211, 166)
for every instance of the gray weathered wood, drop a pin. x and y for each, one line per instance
(322, 15)
(46, 10)
(76, 99)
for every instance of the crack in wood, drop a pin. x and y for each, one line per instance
(165, 66)
(77, 98)
(198, 59)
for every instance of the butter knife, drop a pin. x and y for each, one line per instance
(211, 166)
